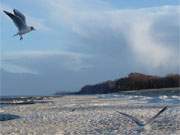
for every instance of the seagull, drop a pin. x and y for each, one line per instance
(20, 21)
(144, 125)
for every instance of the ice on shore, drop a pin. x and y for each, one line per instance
(81, 115)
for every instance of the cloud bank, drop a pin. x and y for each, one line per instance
(151, 35)
(102, 42)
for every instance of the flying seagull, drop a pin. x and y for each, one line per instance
(144, 125)
(20, 21)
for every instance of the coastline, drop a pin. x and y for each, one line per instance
(90, 114)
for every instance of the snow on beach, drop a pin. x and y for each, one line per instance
(96, 114)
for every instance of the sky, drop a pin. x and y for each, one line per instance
(80, 42)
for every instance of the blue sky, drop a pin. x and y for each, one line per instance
(81, 42)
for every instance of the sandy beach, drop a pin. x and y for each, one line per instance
(90, 115)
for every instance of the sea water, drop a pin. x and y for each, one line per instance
(169, 96)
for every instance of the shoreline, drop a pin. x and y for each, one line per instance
(89, 115)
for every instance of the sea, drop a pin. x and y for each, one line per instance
(168, 96)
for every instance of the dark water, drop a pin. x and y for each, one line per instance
(159, 96)
(6, 116)
(158, 92)
(8, 100)
(168, 96)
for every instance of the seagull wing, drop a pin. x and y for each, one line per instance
(154, 117)
(20, 15)
(138, 122)
(17, 20)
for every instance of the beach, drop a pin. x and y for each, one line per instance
(92, 115)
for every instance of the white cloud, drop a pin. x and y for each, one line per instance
(13, 68)
(41, 54)
(38, 24)
(148, 35)
(27, 60)
(136, 25)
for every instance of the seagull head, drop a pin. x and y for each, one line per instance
(32, 28)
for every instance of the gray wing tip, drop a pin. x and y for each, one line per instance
(121, 113)
(6, 12)
(164, 108)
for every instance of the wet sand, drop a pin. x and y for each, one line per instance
(89, 115)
